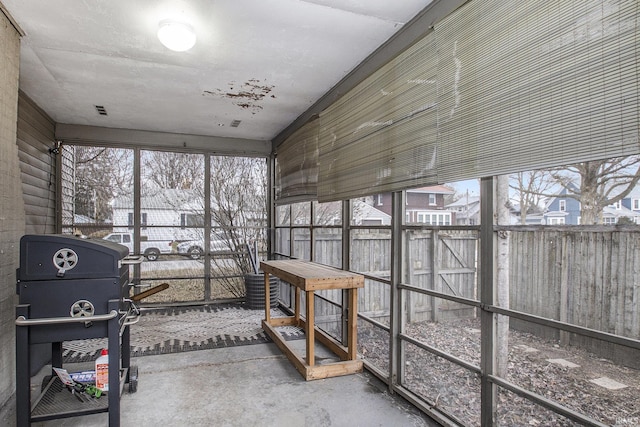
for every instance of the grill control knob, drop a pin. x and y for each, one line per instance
(65, 259)
(82, 308)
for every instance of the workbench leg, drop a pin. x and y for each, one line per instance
(267, 298)
(309, 328)
(296, 305)
(352, 334)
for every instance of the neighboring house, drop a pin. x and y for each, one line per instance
(612, 214)
(563, 209)
(632, 201)
(533, 219)
(165, 215)
(424, 205)
(83, 219)
(170, 214)
(365, 214)
(515, 216)
(466, 210)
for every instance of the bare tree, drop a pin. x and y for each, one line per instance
(301, 213)
(238, 198)
(329, 213)
(601, 183)
(530, 189)
(173, 170)
(595, 184)
(503, 208)
(101, 175)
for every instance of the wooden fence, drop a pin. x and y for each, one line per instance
(449, 256)
(589, 278)
(586, 278)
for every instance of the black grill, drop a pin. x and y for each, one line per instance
(71, 288)
(63, 276)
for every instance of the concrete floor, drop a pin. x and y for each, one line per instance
(249, 385)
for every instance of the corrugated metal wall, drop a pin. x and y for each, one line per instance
(36, 136)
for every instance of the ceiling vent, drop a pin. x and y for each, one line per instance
(235, 123)
(101, 110)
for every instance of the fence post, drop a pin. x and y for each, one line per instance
(488, 320)
(435, 269)
(396, 295)
(564, 290)
(409, 278)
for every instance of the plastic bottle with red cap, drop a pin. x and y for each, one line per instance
(102, 371)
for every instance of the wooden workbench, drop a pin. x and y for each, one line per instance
(309, 277)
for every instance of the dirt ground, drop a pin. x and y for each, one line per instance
(567, 375)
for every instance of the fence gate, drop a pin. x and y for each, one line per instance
(444, 261)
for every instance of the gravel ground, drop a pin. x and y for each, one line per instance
(535, 364)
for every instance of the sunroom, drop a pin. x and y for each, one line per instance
(430, 147)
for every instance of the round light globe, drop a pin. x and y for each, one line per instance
(176, 36)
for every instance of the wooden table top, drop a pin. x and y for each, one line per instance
(310, 276)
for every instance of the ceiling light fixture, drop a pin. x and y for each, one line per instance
(176, 36)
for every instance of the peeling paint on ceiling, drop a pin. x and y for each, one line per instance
(247, 95)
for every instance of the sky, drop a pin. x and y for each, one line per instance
(461, 187)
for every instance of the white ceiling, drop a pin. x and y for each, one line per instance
(264, 62)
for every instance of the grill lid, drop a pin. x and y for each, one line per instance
(61, 256)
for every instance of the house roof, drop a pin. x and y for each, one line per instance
(433, 189)
(160, 199)
(634, 194)
(619, 212)
(556, 213)
(463, 201)
(366, 211)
